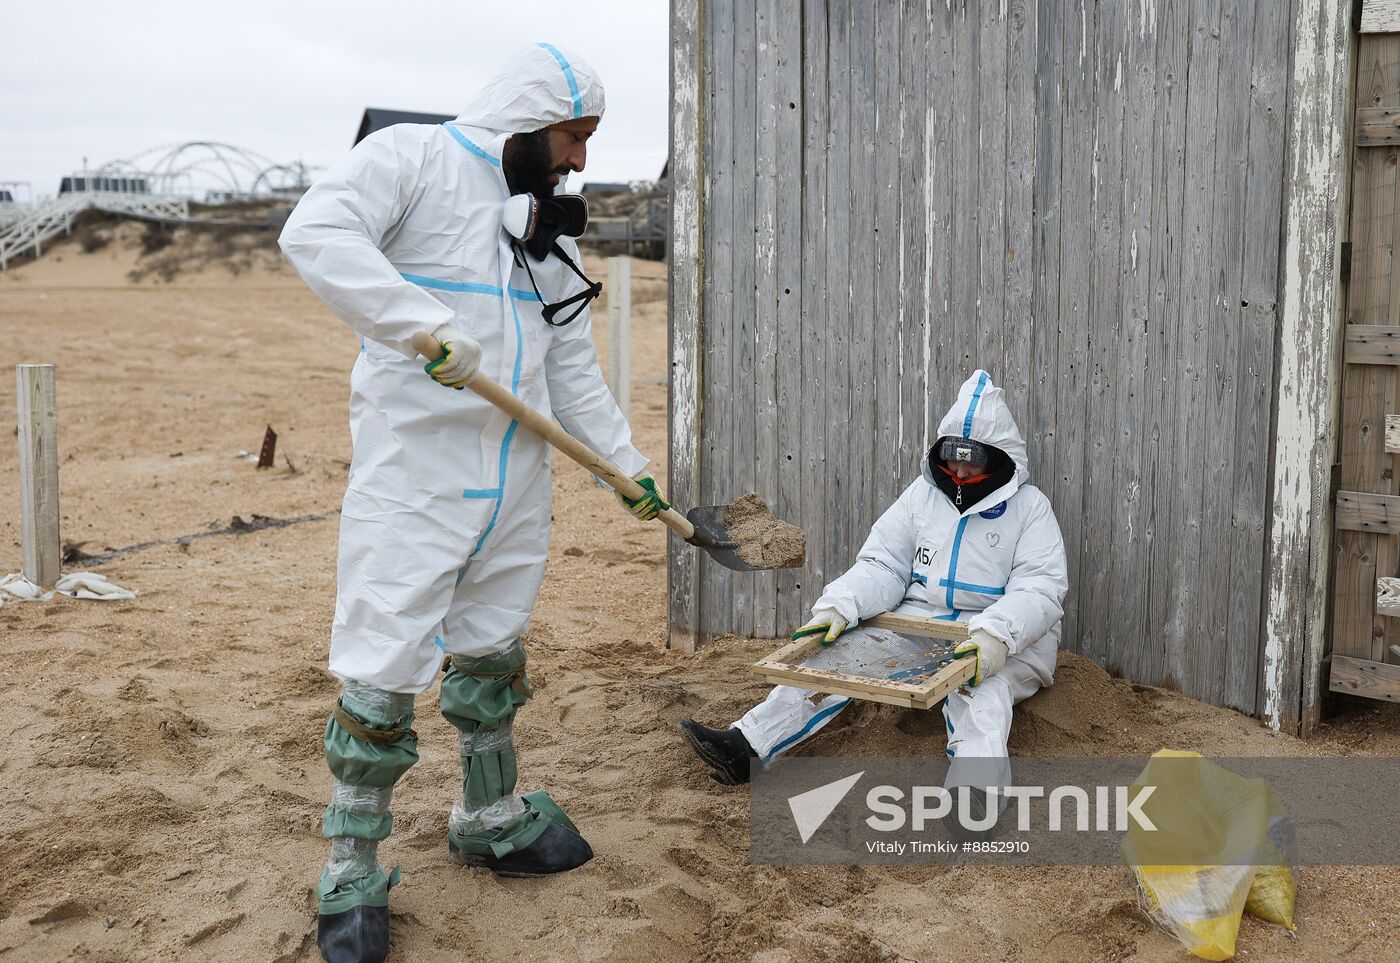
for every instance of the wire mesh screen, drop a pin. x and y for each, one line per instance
(882, 654)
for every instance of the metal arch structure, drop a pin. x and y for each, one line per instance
(216, 169)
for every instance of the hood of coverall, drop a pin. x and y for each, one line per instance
(539, 86)
(980, 413)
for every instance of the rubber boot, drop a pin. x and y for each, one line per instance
(369, 745)
(491, 826)
(725, 751)
(358, 935)
(556, 850)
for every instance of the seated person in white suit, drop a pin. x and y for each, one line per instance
(969, 541)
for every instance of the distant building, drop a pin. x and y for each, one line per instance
(377, 118)
(80, 183)
(606, 187)
(6, 197)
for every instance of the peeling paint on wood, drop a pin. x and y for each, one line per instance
(1306, 409)
(687, 268)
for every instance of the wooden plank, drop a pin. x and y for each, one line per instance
(717, 386)
(1045, 300)
(1363, 677)
(837, 437)
(863, 329)
(965, 318)
(1067, 490)
(742, 348)
(620, 331)
(1388, 597)
(1372, 344)
(1264, 165)
(888, 474)
(1168, 237)
(768, 443)
(785, 36)
(1196, 310)
(1218, 656)
(919, 626)
(1356, 555)
(815, 513)
(37, 397)
(1377, 126)
(988, 177)
(1132, 505)
(1016, 372)
(1367, 512)
(833, 684)
(915, 214)
(1382, 261)
(1392, 434)
(685, 311)
(938, 348)
(1380, 16)
(1100, 484)
(1305, 415)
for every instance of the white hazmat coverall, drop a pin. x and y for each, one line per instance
(999, 566)
(446, 518)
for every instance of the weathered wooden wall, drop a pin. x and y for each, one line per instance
(1364, 635)
(1085, 198)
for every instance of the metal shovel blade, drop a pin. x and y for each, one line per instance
(712, 535)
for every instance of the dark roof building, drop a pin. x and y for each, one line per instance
(377, 118)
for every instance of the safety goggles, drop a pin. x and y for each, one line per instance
(536, 225)
(965, 450)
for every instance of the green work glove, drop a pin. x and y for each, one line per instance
(829, 621)
(650, 504)
(990, 652)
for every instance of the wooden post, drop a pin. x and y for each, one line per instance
(38, 472)
(619, 331)
(684, 292)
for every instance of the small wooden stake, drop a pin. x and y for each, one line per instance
(619, 331)
(268, 456)
(38, 472)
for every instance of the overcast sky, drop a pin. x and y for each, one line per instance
(290, 79)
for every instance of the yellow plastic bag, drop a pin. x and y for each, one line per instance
(1271, 896)
(1210, 857)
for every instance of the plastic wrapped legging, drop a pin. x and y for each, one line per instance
(369, 744)
(480, 697)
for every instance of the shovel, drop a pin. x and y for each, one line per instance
(701, 527)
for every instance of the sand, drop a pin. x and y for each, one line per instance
(763, 540)
(161, 794)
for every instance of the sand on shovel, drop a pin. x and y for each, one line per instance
(763, 540)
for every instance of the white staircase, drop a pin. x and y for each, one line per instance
(27, 227)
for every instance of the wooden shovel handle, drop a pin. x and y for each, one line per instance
(428, 347)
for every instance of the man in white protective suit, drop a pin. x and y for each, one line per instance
(968, 541)
(446, 518)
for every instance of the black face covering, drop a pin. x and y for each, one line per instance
(998, 471)
(555, 217)
(558, 216)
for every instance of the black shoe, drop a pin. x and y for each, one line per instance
(726, 751)
(358, 935)
(556, 850)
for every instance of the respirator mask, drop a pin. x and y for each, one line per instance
(535, 225)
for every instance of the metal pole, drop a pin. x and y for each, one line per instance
(619, 330)
(38, 472)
